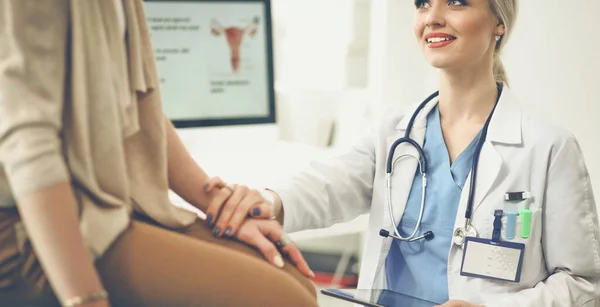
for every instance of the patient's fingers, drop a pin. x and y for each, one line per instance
(262, 234)
(214, 182)
(261, 210)
(218, 199)
(251, 199)
(213, 187)
(273, 230)
(296, 256)
(252, 235)
(228, 209)
(227, 213)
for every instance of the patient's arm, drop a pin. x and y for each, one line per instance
(32, 90)
(50, 216)
(186, 177)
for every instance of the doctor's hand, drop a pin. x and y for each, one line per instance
(456, 303)
(226, 216)
(269, 238)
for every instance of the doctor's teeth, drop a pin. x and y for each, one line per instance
(438, 39)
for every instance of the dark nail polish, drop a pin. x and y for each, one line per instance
(209, 219)
(227, 232)
(256, 211)
(216, 232)
(206, 186)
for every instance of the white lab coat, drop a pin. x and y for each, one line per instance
(561, 265)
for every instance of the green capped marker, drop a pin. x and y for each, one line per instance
(525, 222)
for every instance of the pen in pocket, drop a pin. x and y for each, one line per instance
(511, 216)
(511, 224)
(525, 222)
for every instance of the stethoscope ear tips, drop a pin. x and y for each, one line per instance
(384, 233)
(428, 235)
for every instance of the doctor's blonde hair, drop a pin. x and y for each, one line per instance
(506, 11)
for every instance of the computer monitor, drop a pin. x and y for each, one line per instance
(214, 60)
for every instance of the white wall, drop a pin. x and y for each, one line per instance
(397, 71)
(553, 62)
(311, 42)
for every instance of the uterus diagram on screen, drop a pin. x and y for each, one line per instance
(235, 36)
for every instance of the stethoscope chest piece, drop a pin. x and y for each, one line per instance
(460, 234)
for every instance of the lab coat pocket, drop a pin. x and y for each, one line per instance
(529, 232)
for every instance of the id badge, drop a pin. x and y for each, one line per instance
(485, 258)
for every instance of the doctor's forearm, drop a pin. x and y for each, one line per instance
(560, 289)
(186, 177)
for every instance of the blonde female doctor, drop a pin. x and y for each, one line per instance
(507, 216)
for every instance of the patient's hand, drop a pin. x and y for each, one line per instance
(229, 215)
(263, 234)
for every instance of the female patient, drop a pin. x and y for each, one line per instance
(87, 158)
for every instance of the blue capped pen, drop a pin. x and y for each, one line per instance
(511, 224)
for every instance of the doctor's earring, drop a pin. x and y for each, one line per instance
(498, 37)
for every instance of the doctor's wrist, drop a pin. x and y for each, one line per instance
(274, 201)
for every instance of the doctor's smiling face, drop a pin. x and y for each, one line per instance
(458, 33)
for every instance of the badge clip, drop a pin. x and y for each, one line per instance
(497, 225)
(517, 196)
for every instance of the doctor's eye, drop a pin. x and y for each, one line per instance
(457, 2)
(422, 4)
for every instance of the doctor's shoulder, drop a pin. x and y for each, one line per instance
(547, 138)
(387, 120)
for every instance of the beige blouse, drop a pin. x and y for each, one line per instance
(78, 103)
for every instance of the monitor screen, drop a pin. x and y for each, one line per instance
(214, 60)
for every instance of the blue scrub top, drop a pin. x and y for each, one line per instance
(419, 268)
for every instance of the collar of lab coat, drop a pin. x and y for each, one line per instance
(505, 126)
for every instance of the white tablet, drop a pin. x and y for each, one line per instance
(378, 298)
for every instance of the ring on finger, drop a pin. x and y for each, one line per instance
(284, 241)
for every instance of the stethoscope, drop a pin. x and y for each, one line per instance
(460, 233)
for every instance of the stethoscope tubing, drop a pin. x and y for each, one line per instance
(423, 168)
